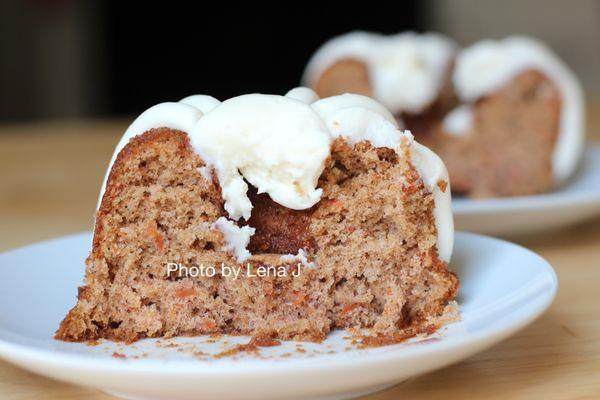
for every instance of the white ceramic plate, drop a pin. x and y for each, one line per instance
(576, 201)
(504, 287)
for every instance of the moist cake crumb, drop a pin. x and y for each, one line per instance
(366, 252)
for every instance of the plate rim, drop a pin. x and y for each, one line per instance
(22, 354)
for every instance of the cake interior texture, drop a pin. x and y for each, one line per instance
(509, 149)
(370, 243)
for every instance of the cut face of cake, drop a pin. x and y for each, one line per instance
(285, 216)
(505, 116)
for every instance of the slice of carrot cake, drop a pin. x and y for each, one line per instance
(286, 216)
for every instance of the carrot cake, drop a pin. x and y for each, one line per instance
(505, 116)
(271, 216)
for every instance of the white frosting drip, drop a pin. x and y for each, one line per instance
(202, 102)
(301, 257)
(433, 171)
(279, 144)
(406, 70)
(330, 105)
(488, 65)
(459, 121)
(359, 118)
(236, 238)
(303, 94)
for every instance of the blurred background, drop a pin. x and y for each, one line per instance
(68, 58)
(74, 74)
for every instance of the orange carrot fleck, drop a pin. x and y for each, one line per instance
(209, 325)
(159, 241)
(442, 185)
(348, 308)
(299, 298)
(335, 203)
(185, 292)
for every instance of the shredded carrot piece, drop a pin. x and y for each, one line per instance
(299, 298)
(348, 308)
(183, 293)
(209, 325)
(442, 185)
(159, 241)
(336, 203)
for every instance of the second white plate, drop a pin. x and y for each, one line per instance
(574, 202)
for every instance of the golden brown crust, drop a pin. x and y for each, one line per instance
(150, 138)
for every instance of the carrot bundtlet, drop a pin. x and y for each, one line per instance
(279, 216)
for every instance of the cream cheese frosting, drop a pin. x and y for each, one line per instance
(301, 257)
(236, 238)
(279, 144)
(202, 102)
(488, 65)
(459, 121)
(406, 70)
(303, 94)
(276, 143)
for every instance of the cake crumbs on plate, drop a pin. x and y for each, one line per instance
(261, 340)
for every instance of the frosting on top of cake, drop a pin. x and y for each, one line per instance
(202, 102)
(359, 118)
(303, 94)
(279, 144)
(406, 70)
(488, 65)
(276, 143)
(460, 120)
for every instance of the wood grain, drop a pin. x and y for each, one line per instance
(50, 174)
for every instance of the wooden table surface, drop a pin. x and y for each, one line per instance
(50, 174)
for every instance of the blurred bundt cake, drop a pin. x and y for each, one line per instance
(505, 116)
